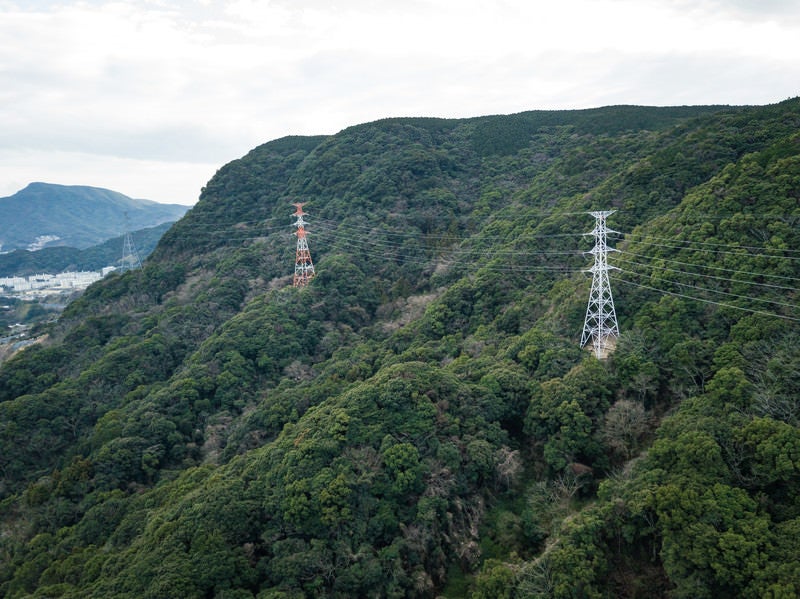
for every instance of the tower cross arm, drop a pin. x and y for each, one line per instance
(303, 265)
(600, 325)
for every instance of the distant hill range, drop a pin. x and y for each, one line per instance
(45, 215)
(62, 258)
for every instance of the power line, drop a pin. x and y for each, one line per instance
(717, 268)
(326, 228)
(716, 278)
(393, 244)
(707, 301)
(728, 293)
(711, 243)
(366, 228)
(399, 250)
(731, 246)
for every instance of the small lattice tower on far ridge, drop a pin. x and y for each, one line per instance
(130, 257)
(303, 266)
(600, 324)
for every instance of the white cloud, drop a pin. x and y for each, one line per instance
(202, 81)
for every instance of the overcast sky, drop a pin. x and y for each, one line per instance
(151, 97)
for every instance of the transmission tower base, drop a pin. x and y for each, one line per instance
(603, 349)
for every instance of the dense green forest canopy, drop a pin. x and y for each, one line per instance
(419, 421)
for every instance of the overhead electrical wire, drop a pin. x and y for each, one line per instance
(714, 277)
(323, 228)
(704, 300)
(281, 223)
(397, 249)
(465, 252)
(451, 254)
(728, 293)
(717, 268)
(630, 236)
(728, 251)
(450, 257)
(328, 232)
(371, 228)
(381, 241)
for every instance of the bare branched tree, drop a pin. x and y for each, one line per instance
(625, 425)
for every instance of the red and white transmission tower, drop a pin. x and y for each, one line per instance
(601, 319)
(303, 266)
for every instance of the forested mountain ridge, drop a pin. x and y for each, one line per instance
(419, 420)
(61, 258)
(77, 216)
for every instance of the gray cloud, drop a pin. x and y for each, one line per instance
(190, 82)
(748, 10)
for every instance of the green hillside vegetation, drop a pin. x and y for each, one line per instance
(419, 421)
(63, 259)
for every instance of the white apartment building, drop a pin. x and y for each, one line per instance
(40, 283)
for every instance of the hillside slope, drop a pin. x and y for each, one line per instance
(61, 259)
(45, 215)
(420, 421)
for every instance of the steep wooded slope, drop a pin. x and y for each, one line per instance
(411, 423)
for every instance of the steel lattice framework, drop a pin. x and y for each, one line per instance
(303, 266)
(600, 324)
(130, 257)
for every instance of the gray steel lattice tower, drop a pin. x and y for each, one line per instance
(600, 324)
(130, 257)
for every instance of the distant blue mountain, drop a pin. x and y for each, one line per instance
(48, 215)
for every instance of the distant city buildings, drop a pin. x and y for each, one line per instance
(45, 284)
